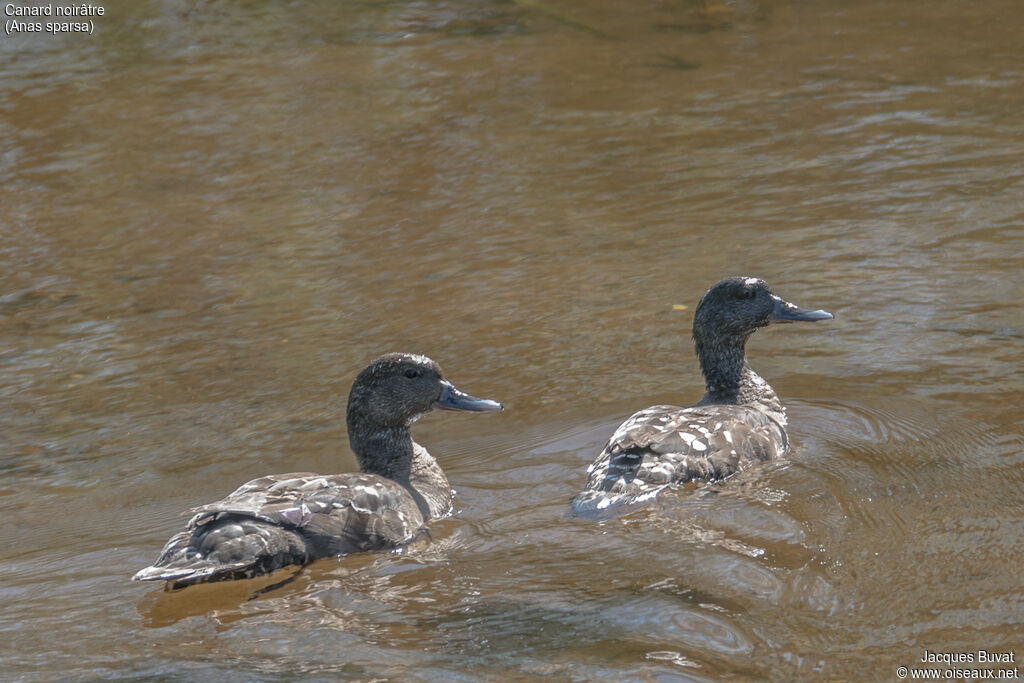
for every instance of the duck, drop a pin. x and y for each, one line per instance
(739, 421)
(293, 519)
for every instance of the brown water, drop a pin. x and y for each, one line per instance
(214, 214)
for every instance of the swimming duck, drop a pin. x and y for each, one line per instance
(740, 420)
(293, 519)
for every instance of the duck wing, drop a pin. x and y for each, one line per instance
(285, 519)
(668, 445)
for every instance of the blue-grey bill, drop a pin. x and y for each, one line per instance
(785, 312)
(453, 399)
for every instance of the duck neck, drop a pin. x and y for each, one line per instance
(383, 450)
(430, 487)
(389, 451)
(730, 380)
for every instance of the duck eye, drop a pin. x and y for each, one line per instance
(412, 373)
(746, 294)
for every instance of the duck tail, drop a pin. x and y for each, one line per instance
(229, 547)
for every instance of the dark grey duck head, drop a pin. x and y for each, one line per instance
(387, 397)
(398, 388)
(738, 306)
(725, 318)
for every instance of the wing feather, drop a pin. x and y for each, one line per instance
(665, 445)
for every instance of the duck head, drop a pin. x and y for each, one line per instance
(397, 388)
(738, 306)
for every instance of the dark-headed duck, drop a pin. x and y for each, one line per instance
(293, 519)
(740, 420)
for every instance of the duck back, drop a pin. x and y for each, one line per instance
(280, 520)
(667, 445)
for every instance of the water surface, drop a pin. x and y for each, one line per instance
(214, 215)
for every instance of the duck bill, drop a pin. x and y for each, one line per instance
(785, 312)
(453, 399)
